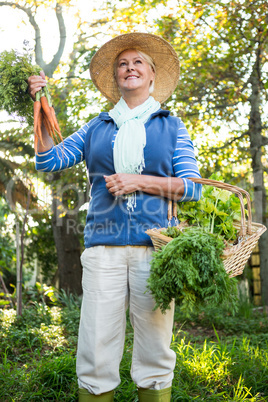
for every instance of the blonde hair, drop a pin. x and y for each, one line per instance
(145, 57)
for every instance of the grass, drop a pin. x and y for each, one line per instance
(220, 357)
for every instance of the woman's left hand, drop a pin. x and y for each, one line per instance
(125, 183)
(122, 183)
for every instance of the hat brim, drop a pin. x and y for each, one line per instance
(164, 56)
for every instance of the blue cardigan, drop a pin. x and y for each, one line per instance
(108, 221)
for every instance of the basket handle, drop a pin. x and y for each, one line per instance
(245, 229)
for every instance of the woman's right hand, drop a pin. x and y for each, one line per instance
(36, 83)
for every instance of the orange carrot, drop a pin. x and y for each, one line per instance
(50, 130)
(44, 114)
(56, 124)
(37, 111)
(40, 124)
(37, 128)
(47, 124)
(50, 119)
(35, 143)
(55, 121)
(47, 111)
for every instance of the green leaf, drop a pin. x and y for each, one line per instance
(15, 69)
(223, 195)
(190, 270)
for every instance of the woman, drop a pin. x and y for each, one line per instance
(138, 157)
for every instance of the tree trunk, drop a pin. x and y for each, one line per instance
(65, 232)
(255, 130)
(19, 272)
(48, 68)
(64, 226)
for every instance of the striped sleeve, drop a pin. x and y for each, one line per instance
(185, 165)
(63, 155)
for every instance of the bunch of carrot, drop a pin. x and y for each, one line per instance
(15, 69)
(44, 113)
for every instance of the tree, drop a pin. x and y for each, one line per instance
(12, 185)
(223, 47)
(222, 92)
(68, 257)
(30, 8)
(7, 249)
(226, 77)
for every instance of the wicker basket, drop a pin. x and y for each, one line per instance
(234, 256)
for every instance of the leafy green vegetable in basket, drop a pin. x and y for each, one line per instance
(216, 211)
(15, 69)
(190, 270)
(171, 231)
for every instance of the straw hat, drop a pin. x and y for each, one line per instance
(164, 56)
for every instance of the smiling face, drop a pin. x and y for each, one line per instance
(133, 74)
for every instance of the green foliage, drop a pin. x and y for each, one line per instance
(38, 352)
(214, 364)
(246, 318)
(41, 245)
(42, 293)
(216, 44)
(190, 270)
(15, 69)
(16, 143)
(7, 252)
(7, 249)
(216, 211)
(69, 300)
(38, 333)
(171, 231)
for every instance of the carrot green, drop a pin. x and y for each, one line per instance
(216, 211)
(190, 270)
(15, 69)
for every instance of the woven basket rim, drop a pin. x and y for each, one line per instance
(235, 256)
(246, 243)
(157, 231)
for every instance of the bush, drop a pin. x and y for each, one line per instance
(220, 357)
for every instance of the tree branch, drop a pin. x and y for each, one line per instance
(226, 144)
(38, 47)
(50, 67)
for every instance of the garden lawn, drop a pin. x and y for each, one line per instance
(219, 357)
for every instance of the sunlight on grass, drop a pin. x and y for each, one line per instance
(241, 392)
(230, 371)
(51, 335)
(219, 358)
(206, 363)
(7, 317)
(56, 314)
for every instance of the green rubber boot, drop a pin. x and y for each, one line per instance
(154, 395)
(85, 396)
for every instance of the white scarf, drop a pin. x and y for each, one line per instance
(131, 138)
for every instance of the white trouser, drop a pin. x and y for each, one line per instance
(113, 279)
